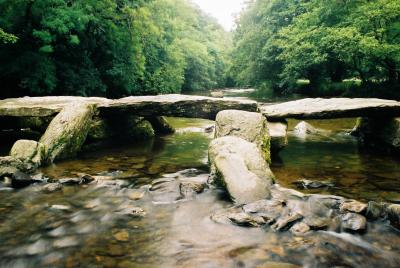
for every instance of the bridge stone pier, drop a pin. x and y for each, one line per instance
(66, 122)
(378, 125)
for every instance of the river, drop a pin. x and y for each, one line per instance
(82, 225)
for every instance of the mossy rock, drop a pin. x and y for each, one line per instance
(121, 126)
(239, 167)
(68, 131)
(249, 126)
(29, 151)
(382, 134)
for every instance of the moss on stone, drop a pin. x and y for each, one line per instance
(68, 131)
(29, 151)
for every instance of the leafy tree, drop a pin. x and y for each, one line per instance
(278, 42)
(108, 47)
(6, 37)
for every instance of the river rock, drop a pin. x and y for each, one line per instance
(303, 129)
(300, 228)
(240, 168)
(65, 242)
(135, 194)
(244, 219)
(309, 184)
(138, 128)
(21, 180)
(132, 211)
(353, 206)
(165, 190)
(52, 187)
(83, 179)
(161, 125)
(375, 210)
(278, 133)
(379, 133)
(270, 210)
(10, 165)
(325, 202)
(121, 126)
(121, 235)
(60, 207)
(209, 129)
(100, 129)
(354, 222)
(67, 132)
(249, 126)
(281, 193)
(189, 188)
(29, 151)
(286, 221)
(315, 222)
(394, 215)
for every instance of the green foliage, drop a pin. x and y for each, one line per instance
(109, 47)
(6, 37)
(322, 41)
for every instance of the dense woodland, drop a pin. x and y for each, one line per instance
(108, 47)
(281, 43)
(116, 48)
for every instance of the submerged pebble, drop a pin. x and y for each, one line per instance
(121, 235)
(52, 187)
(353, 206)
(69, 241)
(300, 228)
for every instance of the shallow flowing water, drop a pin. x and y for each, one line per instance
(85, 225)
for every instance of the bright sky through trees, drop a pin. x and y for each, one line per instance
(223, 10)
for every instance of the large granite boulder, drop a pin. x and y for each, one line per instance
(240, 167)
(249, 126)
(68, 131)
(278, 134)
(379, 133)
(29, 151)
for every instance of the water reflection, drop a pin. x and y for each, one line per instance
(337, 159)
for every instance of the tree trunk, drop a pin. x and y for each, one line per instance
(392, 72)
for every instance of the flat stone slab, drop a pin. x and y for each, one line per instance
(331, 108)
(177, 105)
(169, 105)
(206, 107)
(42, 106)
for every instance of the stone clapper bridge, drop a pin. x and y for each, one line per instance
(239, 155)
